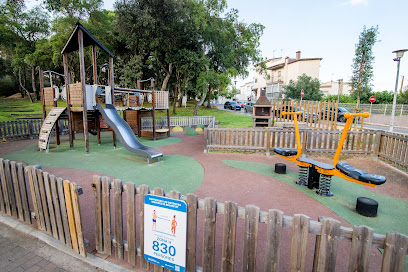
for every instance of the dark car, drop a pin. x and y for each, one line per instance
(340, 114)
(232, 105)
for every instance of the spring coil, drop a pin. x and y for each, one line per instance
(303, 176)
(324, 185)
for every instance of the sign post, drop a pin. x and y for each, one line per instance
(165, 232)
(372, 100)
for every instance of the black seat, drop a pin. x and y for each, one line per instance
(285, 152)
(325, 166)
(360, 175)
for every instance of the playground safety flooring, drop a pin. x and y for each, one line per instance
(243, 178)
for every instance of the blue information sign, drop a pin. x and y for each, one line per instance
(165, 232)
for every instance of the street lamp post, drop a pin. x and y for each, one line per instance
(235, 91)
(338, 92)
(400, 54)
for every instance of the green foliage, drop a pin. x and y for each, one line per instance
(362, 67)
(343, 98)
(191, 132)
(8, 85)
(384, 97)
(403, 96)
(310, 85)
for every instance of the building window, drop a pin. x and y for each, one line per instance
(279, 75)
(256, 80)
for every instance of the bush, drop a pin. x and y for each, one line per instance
(7, 85)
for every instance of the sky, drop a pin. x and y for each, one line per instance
(329, 29)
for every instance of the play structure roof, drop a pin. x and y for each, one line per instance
(72, 43)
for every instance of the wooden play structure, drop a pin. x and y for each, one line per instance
(82, 100)
(313, 173)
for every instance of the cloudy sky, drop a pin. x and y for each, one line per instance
(329, 29)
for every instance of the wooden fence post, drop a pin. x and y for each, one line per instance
(395, 250)
(192, 204)
(210, 207)
(228, 240)
(131, 222)
(250, 237)
(360, 248)
(273, 240)
(268, 143)
(298, 249)
(144, 190)
(377, 144)
(117, 185)
(329, 240)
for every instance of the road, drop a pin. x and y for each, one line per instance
(366, 126)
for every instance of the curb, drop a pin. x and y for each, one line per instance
(90, 259)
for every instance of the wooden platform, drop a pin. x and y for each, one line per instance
(149, 133)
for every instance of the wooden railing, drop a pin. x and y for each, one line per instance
(54, 202)
(182, 121)
(264, 140)
(394, 148)
(26, 128)
(110, 195)
(314, 113)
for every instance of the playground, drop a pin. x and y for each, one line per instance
(242, 178)
(178, 163)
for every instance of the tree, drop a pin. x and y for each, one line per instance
(403, 96)
(362, 67)
(343, 98)
(310, 85)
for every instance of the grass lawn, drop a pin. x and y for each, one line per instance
(24, 108)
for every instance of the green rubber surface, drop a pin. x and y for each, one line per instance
(172, 172)
(392, 212)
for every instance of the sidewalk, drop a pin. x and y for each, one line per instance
(23, 248)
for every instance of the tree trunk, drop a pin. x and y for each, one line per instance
(166, 79)
(199, 103)
(36, 93)
(209, 99)
(22, 87)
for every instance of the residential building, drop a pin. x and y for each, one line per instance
(280, 71)
(335, 87)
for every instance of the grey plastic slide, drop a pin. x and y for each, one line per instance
(125, 134)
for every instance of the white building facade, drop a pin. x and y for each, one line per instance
(279, 72)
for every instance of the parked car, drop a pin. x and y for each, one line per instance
(249, 106)
(340, 113)
(241, 104)
(232, 105)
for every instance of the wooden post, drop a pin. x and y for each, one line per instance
(360, 252)
(273, 240)
(95, 82)
(106, 216)
(229, 232)
(377, 144)
(118, 219)
(395, 249)
(67, 81)
(300, 231)
(210, 206)
(83, 87)
(191, 232)
(41, 75)
(131, 221)
(112, 84)
(329, 240)
(250, 238)
(97, 187)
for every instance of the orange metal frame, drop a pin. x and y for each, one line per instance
(335, 171)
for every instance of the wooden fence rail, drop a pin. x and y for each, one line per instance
(182, 121)
(54, 201)
(26, 128)
(391, 147)
(109, 197)
(255, 139)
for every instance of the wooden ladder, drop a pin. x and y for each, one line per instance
(47, 126)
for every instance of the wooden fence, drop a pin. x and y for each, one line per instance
(182, 121)
(26, 128)
(392, 147)
(54, 202)
(110, 195)
(314, 113)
